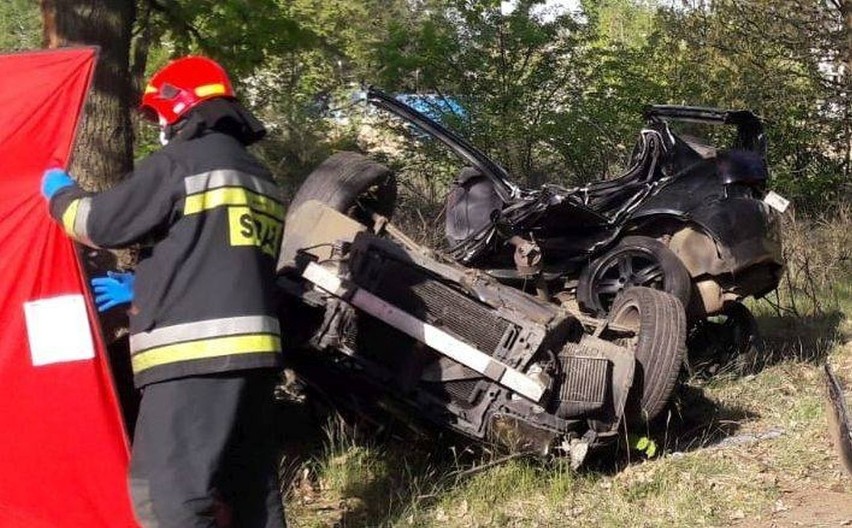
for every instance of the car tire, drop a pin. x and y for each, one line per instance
(659, 347)
(346, 180)
(634, 261)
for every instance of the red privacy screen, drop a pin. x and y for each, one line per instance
(63, 451)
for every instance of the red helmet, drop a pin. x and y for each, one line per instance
(182, 84)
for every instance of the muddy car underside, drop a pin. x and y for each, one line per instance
(408, 329)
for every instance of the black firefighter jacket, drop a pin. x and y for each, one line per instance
(210, 220)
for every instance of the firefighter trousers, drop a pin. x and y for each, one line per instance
(204, 453)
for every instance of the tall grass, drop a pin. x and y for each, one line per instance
(818, 254)
(807, 315)
(771, 417)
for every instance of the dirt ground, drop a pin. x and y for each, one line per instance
(812, 508)
(820, 506)
(753, 450)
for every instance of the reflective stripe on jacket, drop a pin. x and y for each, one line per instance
(210, 219)
(250, 337)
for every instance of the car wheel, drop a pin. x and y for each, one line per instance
(352, 184)
(659, 344)
(634, 261)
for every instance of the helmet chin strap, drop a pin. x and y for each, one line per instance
(164, 135)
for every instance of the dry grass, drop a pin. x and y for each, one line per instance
(360, 484)
(818, 253)
(750, 478)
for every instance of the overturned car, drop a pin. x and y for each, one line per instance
(390, 328)
(556, 318)
(686, 217)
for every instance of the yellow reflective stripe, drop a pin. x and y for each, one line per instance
(197, 203)
(206, 349)
(69, 217)
(75, 218)
(210, 89)
(206, 329)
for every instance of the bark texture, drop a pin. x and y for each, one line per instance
(104, 149)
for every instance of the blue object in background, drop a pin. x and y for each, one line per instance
(112, 290)
(54, 180)
(435, 107)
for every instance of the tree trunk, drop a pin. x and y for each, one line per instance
(104, 149)
(103, 153)
(846, 13)
(846, 77)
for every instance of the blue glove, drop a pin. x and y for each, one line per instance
(112, 290)
(53, 180)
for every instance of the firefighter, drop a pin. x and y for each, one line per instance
(204, 337)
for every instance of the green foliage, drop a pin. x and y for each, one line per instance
(241, 34)
(20, 25)
(642, 444)
(554, 96)
(560, 98)
(625, 23)
(513, 73)
(778, 58)
(285, 57)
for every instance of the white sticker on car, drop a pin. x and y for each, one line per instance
(776, 201)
